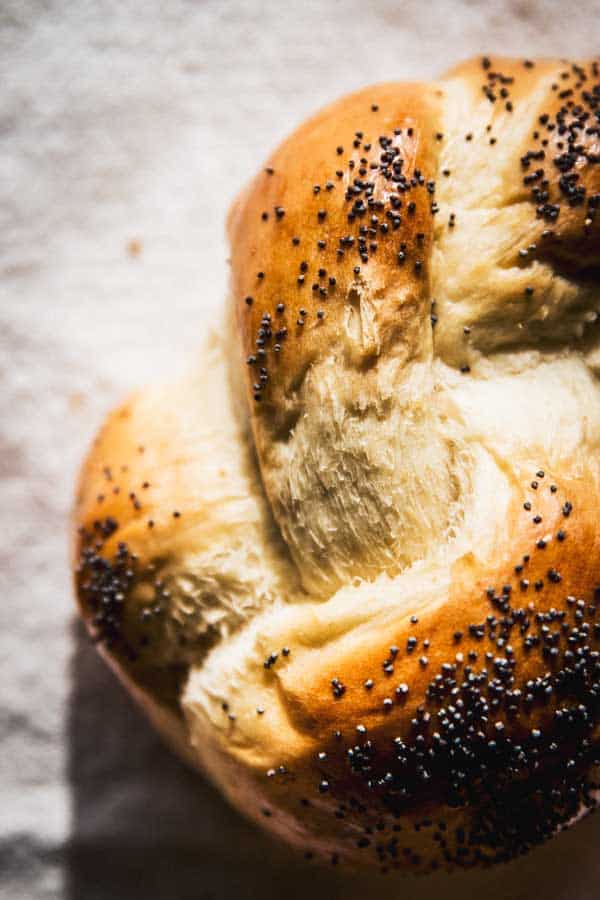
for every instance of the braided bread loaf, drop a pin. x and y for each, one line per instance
(350, 566)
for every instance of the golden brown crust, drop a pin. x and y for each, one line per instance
(477, 674)
(574, 557)
(343, 205)
(419, 688)
(555, 165)
(132, 499)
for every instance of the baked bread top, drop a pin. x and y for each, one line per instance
(350, 564)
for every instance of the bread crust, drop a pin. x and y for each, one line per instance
(308, 192)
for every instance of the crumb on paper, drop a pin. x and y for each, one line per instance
(76, 401)
(134, 247)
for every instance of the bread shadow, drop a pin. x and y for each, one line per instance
(143, 825)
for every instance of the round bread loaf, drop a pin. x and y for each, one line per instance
(351, 565)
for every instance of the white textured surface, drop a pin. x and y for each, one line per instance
(123, 120)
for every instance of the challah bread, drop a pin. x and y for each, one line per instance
(350, 566)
